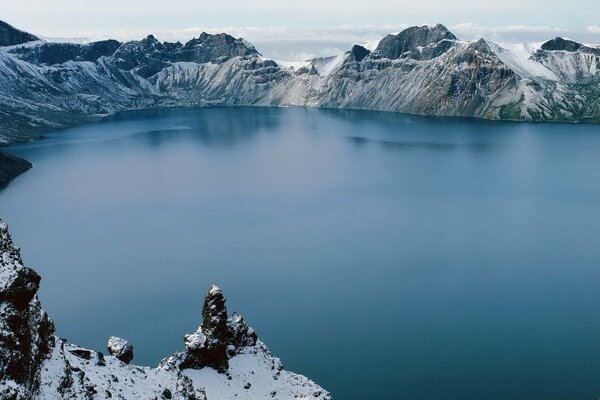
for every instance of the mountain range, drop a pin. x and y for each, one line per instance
(425, 70)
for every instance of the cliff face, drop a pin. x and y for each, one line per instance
(422, 70)
(223, 359)
(26, 333)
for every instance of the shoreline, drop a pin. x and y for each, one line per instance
(12, 166)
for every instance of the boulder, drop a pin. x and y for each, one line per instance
(120, 348)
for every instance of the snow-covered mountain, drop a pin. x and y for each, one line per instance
(222, 360)
(422, 70)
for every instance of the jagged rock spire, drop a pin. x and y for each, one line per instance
(218, 338)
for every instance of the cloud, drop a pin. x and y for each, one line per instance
(471, 31)
(594, 29)
(357, 33)
(301, 43)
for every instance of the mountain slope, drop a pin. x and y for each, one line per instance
(423, 70)
(223, 359)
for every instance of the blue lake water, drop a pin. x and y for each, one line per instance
(385, 256)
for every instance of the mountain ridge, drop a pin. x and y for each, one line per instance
(423, 70)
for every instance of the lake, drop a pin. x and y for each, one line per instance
(385, 256)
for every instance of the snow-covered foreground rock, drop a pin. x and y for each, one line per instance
(222, 360)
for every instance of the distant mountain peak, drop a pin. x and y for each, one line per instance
(410, 42)
(563, 44)
(11, 36)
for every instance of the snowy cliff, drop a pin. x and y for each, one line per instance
(422, 70)
(222, 360)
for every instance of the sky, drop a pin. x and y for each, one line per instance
(298, 29)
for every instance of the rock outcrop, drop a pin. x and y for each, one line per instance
(120, 348)
(218, 339)
(26, 332)
(222, 360)
(11, 167)
(417, 42)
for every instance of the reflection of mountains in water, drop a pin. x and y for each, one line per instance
(414, 145)
(222, 126)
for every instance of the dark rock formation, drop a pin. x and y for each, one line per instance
(219, 47)
(561, 44)
(120, 348)
(26, 332)
(10, 36)
(11, 167)
(218, 338)
(357, 53)
(149, 56)
(409, 43)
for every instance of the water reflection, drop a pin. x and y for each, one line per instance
(444, 256)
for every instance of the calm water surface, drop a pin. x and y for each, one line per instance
(384, 256)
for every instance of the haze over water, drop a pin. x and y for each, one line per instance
(384, 256)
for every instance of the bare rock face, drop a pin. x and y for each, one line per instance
(26, 332)
(412, 42)
(120, 348)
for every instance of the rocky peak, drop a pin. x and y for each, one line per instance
(10, 36)
(357, 53)
(218, 338)
(410, 42)
(214, 316)
(562, 44)
(214, 48)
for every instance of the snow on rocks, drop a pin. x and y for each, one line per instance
(26, 332)
(120, 348)
(222, 360)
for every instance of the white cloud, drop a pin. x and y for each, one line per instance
(470, 31)
(302, 43)
(595, 29)
(348, 33)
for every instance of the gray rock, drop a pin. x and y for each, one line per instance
(120, 348)
(407, 43)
